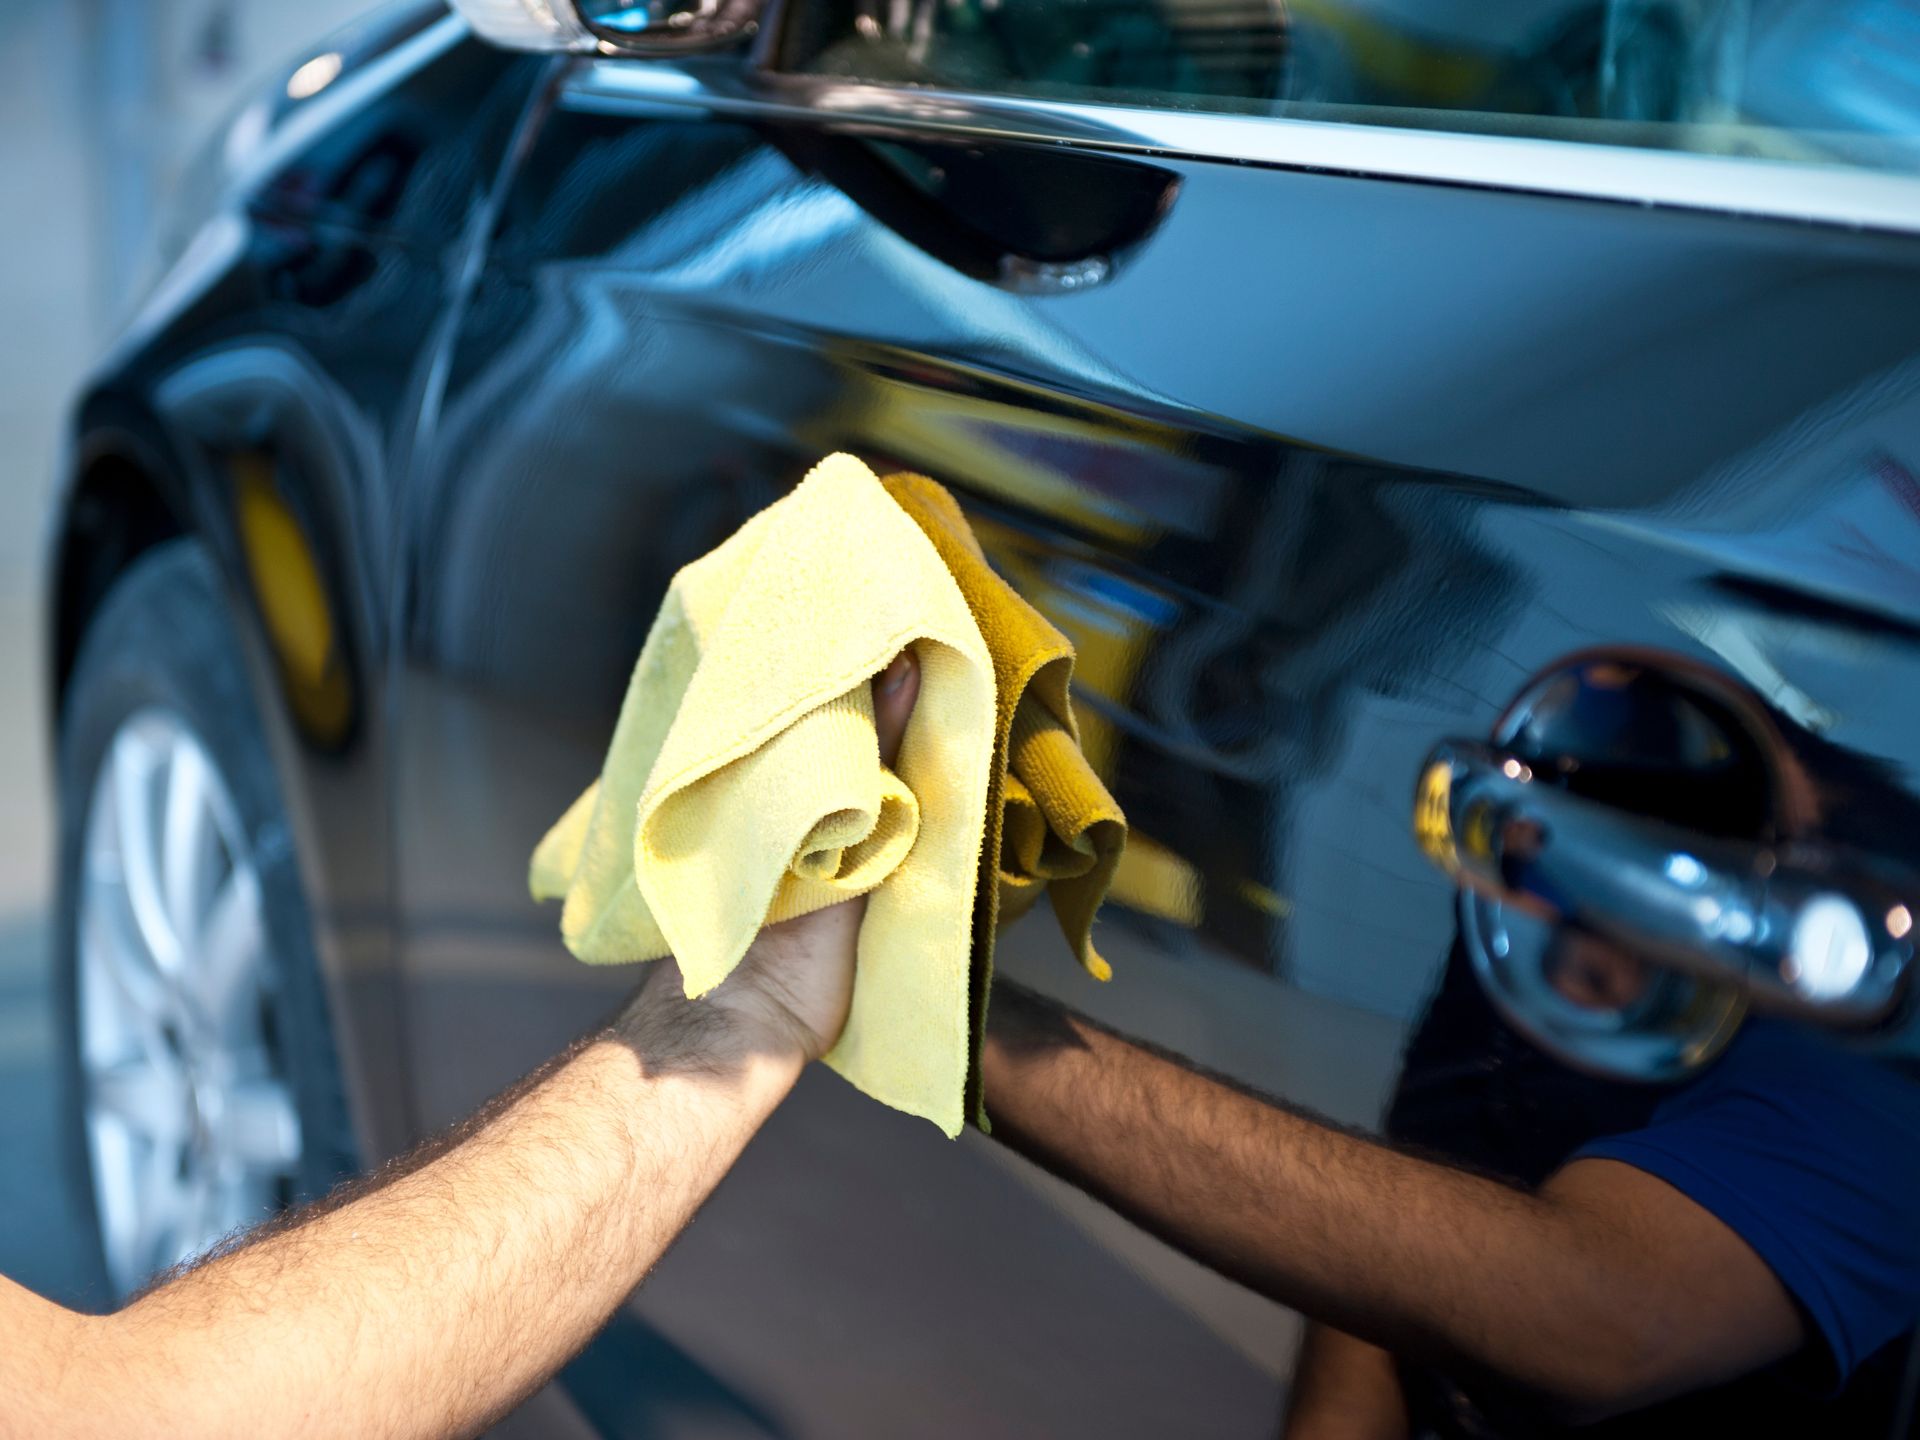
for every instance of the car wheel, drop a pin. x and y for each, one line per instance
(203, 1088)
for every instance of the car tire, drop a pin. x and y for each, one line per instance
(193, 1021)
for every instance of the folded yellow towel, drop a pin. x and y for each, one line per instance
(1061, 830)
(743, 784)
(1051, 824)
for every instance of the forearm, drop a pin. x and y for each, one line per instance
(1344, 1389)
(1320, 1220)
(1547, 1292)
(438, 1300)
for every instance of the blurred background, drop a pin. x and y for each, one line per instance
(102, 103)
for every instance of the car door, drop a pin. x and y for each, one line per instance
(1326, 374)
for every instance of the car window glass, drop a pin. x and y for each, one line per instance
(1834, 81)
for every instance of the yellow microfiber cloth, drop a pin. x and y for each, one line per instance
(1051, 824)
(743, 784)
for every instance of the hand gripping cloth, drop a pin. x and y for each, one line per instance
(1051, 824)
(743, 784)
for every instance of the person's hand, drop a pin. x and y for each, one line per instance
(790, 995)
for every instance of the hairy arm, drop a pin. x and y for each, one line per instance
(1603, 1291)
(433, 1298)
(431, 1301)
(1344, 1389)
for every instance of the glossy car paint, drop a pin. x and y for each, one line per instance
(1315, 469)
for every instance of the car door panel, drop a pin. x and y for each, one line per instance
(1314, 473)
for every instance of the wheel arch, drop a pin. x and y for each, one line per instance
(134, 482)
(120, 498)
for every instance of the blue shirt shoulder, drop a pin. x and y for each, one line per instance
(1809, 1152)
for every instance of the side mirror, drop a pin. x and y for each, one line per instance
(613, 27)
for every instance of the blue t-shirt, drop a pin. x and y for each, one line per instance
(1811, 1154)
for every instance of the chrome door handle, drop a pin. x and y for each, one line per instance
(1799, 926)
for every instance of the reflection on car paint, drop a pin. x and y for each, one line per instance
(1323, 470)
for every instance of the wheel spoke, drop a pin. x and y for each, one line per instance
(212, 1221)
(163, 1209)
(142, 1097)
(259, 1127)
(116, 1187)
(226, 970)
(189, 844)
(194, 1219)
(134, 762)
(114, 949)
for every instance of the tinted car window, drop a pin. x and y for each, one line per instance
(1821, 80)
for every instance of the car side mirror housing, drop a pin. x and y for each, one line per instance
(613, 27)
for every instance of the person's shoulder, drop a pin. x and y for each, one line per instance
(1807, 1147)
(1799, 1071)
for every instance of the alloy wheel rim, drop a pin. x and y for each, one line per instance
(190, 1118)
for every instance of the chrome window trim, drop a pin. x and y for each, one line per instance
(1669, 179)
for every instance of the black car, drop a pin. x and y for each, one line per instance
(1347, 378)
